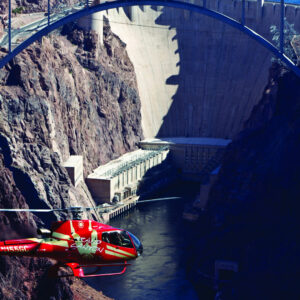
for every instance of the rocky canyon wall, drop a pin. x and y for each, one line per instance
(254, 204)
(29, 6)
(26, 278)
(64, 95)
(196, 75)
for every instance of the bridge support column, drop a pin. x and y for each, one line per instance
(282, 15)
(48, 12)
(9, 26)
(94, 21)
(243, 12)
(260, 5)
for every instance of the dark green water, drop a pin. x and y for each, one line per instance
(161, 271)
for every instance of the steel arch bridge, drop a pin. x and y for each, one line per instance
(88, 10)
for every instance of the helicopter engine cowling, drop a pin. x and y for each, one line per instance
(44, 232)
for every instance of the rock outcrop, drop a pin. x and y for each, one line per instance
(26, 278)
(59, 98)
(64, 95)
(29, 6)
(255, 202)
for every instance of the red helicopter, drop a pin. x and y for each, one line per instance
(77, 244)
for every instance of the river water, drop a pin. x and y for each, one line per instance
(161, 271)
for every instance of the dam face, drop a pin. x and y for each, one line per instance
(197, 76)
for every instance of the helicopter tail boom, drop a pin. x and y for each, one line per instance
(24, 247)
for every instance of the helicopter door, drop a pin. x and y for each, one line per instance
(118, 245)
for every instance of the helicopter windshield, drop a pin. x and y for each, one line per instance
(118, 238)
(138, 245)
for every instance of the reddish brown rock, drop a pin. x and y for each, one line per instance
(64, 95)
(26, 278)
(58, 99)
(295, 42)
(34, 5)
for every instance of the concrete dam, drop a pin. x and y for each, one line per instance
(198, 80)
(197, 77)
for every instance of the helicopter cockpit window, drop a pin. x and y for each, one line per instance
(118, 238)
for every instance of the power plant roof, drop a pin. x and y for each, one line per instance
(124, 162)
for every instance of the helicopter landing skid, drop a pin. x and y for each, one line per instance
(78, 270)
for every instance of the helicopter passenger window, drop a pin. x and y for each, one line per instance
(105, 237)
(126, 242)
(117, 238)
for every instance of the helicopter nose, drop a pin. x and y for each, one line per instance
(140, 249)
(137, 244)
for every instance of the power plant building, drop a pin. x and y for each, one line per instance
(120, 178)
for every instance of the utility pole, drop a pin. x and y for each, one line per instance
(282, 26)
(48, 12)
(9, 26)
(243, 12)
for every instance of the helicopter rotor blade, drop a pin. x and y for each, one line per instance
(159, 199)
(47, 210)
(26, 210)
(77, 208)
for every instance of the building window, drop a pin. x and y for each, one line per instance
(126, 193)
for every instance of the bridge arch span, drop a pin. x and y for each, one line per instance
(167, 3)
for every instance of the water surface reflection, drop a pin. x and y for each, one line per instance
(160, 273)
